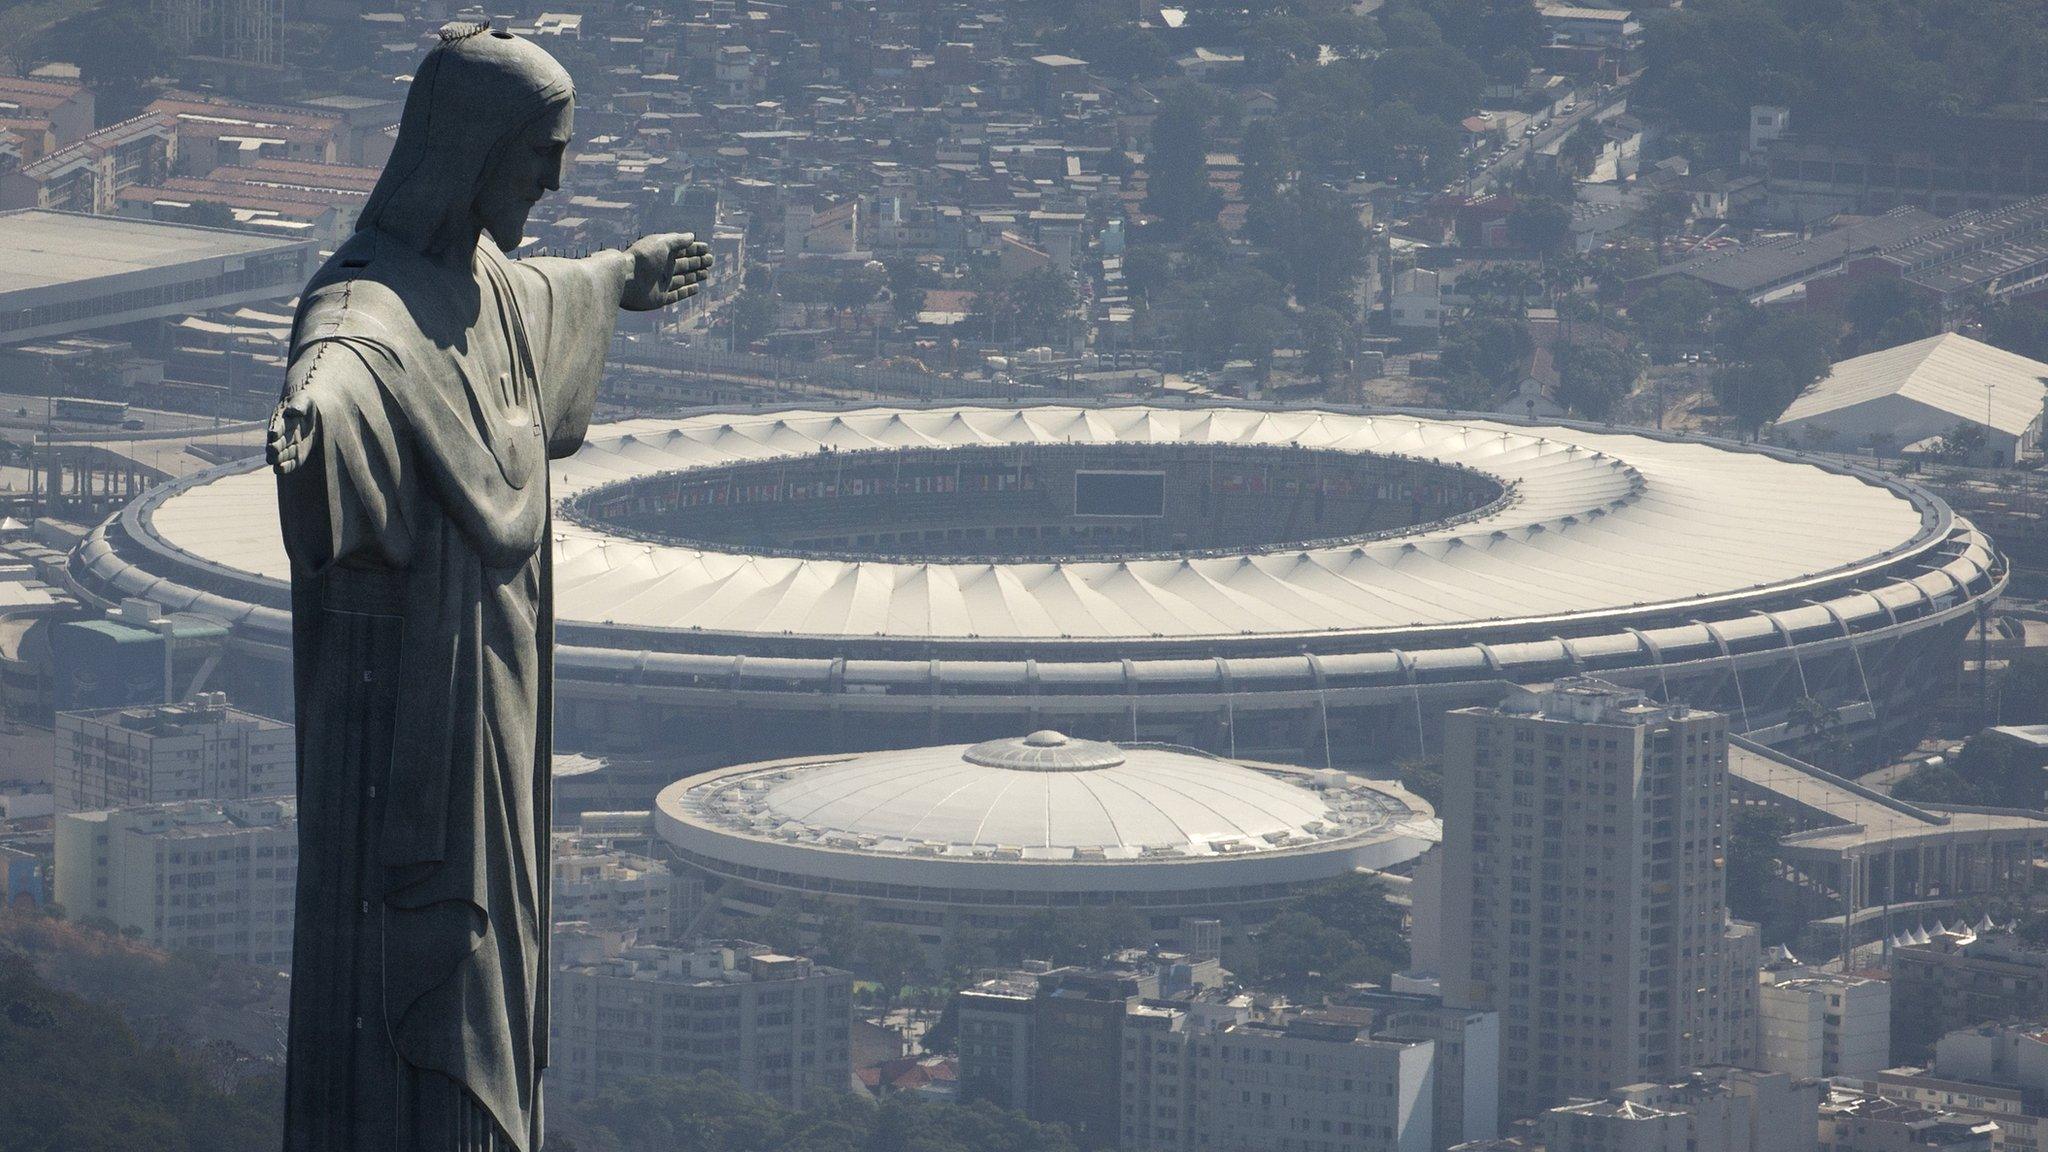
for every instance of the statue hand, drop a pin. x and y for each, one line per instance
(292, 431)
(666, 268)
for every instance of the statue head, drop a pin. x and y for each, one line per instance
(481, 140)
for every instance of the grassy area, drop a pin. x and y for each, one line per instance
(21, 23)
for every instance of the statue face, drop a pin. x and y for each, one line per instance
(525, 166)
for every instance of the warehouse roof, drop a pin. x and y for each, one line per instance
(1758, 268)
(1971, 381)
(40, 248)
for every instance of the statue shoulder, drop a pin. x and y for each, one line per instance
(358, 296)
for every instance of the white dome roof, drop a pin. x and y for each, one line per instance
(1053, 794)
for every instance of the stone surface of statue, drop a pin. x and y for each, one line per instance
(431, 380)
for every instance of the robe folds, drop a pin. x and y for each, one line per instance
(422, 627)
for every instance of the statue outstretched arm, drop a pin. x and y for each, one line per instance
(661, 270)
(572, 306)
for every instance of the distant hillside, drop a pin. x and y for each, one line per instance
(231, 1014)
(76, 1079)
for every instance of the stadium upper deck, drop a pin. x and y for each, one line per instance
(1739, 579)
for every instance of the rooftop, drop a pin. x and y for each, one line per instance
(1757, 267)
(1044, 797)
(40, 249)
(1969, 380)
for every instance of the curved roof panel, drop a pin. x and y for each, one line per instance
(1596, 522)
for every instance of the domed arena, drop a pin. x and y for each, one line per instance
(978, 836)
(1310, 585)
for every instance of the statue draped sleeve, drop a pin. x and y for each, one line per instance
(423, 654)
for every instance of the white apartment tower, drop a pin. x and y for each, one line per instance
(202, 876)
(1584, 896)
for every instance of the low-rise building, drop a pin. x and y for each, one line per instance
(202, 876)
(1319, 1079)
(606, 888)
(1897, 398)
(1995, 1072)
(1418, 302)
(1717, 1109)
(777, 1025)
(1852, 1120)
(1817, 1024)
(1467, 1061)
(1962, 980)
(204, 749)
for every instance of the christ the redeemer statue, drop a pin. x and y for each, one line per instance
(431, 380)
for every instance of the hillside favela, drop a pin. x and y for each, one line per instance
(1023, 576)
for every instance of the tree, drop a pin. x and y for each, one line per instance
(1963, 443)
(1752, 872)
(1176, 162)
(1773, 357)
(752, 316)
(1820, 723)
(1041, 301)
(1500, 289)
(1324, 246)
(1885, 314)
(1487, 349)
(1540, 224)
(2023, 694)
(781, 927)
(1341, 932)
(1668, 212)
(76, 1078)
(119, 48)
(1073, 936)
(1146, 268)
(1593, 379)
(891, 957)
(2018, 327)
(908, 279)
(1581, 151)
(1324, 336)
(1673, 312)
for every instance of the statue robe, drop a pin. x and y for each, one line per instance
(423, 631)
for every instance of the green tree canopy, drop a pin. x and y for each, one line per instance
(2018, 327)
(1489, 350)
(1176, 161)
(1772, 357)
(1540, 224)
(1885, 314)
(1594, 378)
(1673, 312)
(1338, 933)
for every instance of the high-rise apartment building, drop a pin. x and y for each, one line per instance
(778, 1025)
(204, 876)
(1584, 898)
(164, 753)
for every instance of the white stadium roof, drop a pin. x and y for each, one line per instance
(1123, 804)
(1000, 815)
(1596, 522)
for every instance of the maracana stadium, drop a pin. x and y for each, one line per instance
(1299, 584)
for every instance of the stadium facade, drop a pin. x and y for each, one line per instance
(1292, 584)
